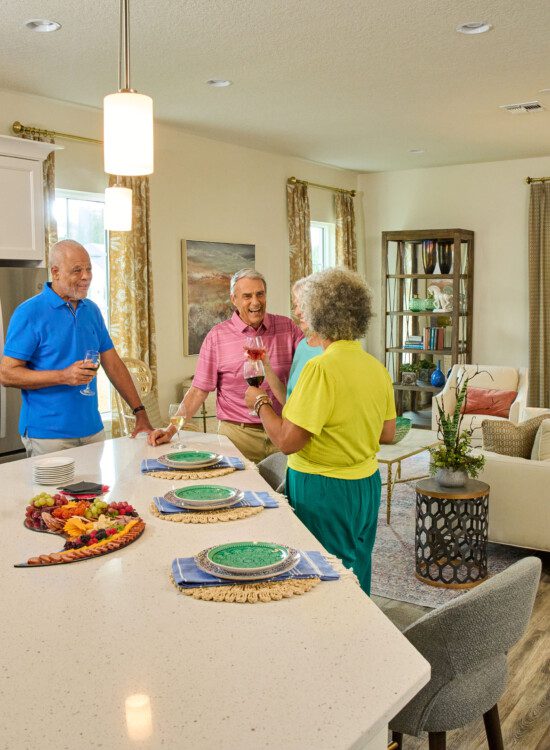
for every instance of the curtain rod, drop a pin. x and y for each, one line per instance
(295, 180)
(18, 129)
(529, 180)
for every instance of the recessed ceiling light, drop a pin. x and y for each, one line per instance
(218, 83)
(417, 151)
(42, 25)
(474, 27)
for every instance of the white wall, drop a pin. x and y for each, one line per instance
(491, 199)
(202, 190)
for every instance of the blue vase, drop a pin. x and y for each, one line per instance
(437, 379)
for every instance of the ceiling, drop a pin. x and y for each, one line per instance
(351, 83)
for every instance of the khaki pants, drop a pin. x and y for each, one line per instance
(39, 446)
(252, 442)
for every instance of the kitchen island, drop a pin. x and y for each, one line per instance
(322, 671)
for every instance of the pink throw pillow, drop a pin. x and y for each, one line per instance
(488, 401)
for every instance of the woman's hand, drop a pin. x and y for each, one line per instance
(159, 436)
(251, 395)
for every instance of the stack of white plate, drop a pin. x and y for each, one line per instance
(52, 470)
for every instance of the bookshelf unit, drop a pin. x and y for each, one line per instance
(404, 276)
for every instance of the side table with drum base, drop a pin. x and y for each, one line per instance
(451, 533)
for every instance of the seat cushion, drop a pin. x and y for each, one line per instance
(490, 401)
(508, 439)
(541, 446)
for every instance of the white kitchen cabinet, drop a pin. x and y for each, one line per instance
(22, 198)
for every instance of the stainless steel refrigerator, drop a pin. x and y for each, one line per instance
(16, 285)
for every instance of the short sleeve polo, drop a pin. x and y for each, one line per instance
(49, 334)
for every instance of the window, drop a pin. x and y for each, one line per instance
(323, 253)
(79, 217)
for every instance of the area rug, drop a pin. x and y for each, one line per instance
(393, 561)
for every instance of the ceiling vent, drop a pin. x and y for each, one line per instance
(522, 108)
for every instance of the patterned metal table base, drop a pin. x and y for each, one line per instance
(451, 540)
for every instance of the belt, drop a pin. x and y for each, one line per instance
(254, 425)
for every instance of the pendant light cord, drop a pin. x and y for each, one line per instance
(124, 47)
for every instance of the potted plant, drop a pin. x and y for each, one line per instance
(408, 374)
(424, 369)
(452, 462)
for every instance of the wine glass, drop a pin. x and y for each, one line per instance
(91, 362)
(254, 347)
(254, 374)
(176, 415)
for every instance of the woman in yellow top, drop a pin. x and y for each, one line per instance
(339, 412)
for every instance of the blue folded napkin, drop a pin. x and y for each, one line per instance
(151, 464)
(250, 500)
(186, 573)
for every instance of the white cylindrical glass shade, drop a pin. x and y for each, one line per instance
(128, 134)
(118, 209)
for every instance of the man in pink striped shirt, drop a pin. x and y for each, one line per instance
(220, 365)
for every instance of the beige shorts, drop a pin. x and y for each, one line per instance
(252, 442)
(39, 446)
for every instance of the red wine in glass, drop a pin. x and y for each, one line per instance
(254, 347)
(255, 380)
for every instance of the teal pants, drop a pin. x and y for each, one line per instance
(341, 514)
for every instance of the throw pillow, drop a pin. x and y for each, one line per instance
(502, 436)
(541, 446)
(488, 401)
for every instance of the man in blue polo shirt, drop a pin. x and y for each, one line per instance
(47, 339)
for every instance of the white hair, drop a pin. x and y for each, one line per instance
(245, 273)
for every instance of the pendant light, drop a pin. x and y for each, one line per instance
(127, 116)
(118, 208)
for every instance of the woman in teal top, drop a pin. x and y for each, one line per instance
(306, 350)
(340, 410)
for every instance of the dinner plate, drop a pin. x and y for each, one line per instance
(189, 459)
(288, 559)
(254, 557)
(204, 497)
(50, 463)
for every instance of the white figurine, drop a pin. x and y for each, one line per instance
(443, 299)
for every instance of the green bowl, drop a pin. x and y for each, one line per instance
(402, 427)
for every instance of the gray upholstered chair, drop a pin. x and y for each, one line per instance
(466, 642)
(273, 470)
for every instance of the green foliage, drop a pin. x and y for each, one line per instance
(455, 453)
(406, 367)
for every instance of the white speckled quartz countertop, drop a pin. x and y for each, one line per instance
(321, 671)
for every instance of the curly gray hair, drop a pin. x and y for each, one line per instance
(337, 304)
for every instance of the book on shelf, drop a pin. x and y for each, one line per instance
(434, 337)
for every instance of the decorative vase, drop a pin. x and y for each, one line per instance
(408, 378)
(424, 376)
(428, 304)
(445, 255)
(415, 304)
(451, 477)
(429, 255)
(437, 379)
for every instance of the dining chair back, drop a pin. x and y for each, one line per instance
(466, 642)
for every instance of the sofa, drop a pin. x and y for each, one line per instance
(519, 498)
(482, 376)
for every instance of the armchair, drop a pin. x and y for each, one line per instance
(486, 376)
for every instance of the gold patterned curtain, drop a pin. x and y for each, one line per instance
(346, 246)
(539, 295)
(299, 238)
(48, 175)
(132, 321)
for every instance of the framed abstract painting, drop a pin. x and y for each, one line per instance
(207, 268)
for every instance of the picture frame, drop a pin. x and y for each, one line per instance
(207, 268)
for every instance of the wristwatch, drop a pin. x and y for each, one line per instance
(138, 408)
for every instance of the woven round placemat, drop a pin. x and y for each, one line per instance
(207, 516)
(198, 474)
(251, 593)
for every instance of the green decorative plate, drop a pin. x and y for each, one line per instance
(189, 459)
(204, 497)
(255, 557)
